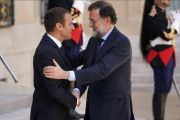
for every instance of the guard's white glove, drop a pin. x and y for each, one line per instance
(176, 22)
(176, 15)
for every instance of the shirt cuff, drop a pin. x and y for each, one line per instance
(76, 89)
(72, 76)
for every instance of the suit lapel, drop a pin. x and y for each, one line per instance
(45, 37)
(64, 56)
(106, 45)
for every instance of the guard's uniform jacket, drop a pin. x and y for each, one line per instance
(161, 36)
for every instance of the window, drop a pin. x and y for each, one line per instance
(6, 13)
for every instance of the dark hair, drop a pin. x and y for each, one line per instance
(53, 16)
(106, 10)
(144, 37)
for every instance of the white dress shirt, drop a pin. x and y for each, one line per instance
(58, 43)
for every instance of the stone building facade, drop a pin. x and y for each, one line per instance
(19, 41)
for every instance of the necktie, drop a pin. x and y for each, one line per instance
(98, 48)
(62, 50)
(64, 55)
(99, 45)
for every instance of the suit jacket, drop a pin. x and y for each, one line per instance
(51, 98)
(108, 77)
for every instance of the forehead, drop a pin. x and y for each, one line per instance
(94, 14)
(67, 17)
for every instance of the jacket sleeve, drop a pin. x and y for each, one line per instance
(55, 87)
(117, 56)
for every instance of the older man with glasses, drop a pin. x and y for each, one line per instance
(106, 68)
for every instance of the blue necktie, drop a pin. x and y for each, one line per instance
(98, 48)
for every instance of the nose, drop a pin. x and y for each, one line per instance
(90, 24)
(72, 27)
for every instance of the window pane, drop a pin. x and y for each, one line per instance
(6, 13)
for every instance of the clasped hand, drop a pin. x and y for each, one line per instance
(76, 94)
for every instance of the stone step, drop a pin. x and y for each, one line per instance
(22, 114)
(12, 88)
(13, 102)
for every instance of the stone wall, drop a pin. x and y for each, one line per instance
(18, 42)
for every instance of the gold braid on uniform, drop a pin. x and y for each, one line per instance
(170, 35)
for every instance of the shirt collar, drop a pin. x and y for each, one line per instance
(161, 8)
(58, 43)
(107, 34)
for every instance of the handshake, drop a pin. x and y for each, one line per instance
(76, 94)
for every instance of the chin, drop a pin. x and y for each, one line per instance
(67, 38)
(94, 34)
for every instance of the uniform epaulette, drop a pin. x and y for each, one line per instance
(153, 12)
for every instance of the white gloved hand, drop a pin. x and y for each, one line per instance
(176, 15)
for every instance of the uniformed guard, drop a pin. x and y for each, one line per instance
(76, 7)
(157, 48)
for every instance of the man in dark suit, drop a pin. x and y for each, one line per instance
(72, 45)
(106, 68)
(76, 7)
(51, 98)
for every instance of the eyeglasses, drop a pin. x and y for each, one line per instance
(94, 21)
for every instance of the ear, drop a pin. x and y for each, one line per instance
(58, 26)
(108, 20)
